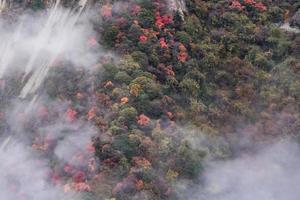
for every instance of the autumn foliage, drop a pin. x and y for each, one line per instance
(240, 5)
(217, 70)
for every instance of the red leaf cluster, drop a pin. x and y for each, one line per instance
(162, 21)
(79, 176)
(55, 179)
(124, 100)
(250, 2)
(143, 120)
(92, 41)
(109, 84)
(150, 32)
(235, 4)
(167, 19)
(141, 162)
(139, 184)
(143, 38)
(92, 113)
(106, 10)
(168, 70)
(182, 55)
(135, 9)
(163, 43)
(71, 115)
(260, 6)
(170, 115)
(81, 186)
(90, 147)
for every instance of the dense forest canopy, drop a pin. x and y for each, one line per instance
(139, 99)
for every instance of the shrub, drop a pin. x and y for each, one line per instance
(129, 65)
(188, 161)
(109, 35)
(63, 81)
(148, 86)
(146, 18)
(189, 87)
(140, 58)
(183, 37)
(123, 144)
(123, 77)
(262, 62)
(37, 4)
(116, 130)
(128, 114)
(276, 14)
(110, 69)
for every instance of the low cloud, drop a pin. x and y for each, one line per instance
(271, 173)
(24, 175)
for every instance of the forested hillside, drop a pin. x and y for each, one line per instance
(167, 88)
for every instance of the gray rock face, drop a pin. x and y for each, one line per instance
(295, 21)
(178, 5)
(287, 27)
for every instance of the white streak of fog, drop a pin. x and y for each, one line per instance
(58, 20)
(3, 5)
(4, 143)
(36, 42)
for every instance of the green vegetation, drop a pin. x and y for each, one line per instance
(223, 68)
